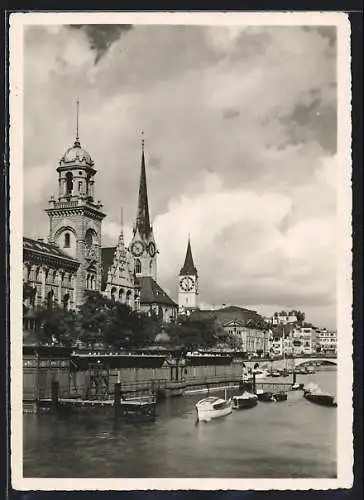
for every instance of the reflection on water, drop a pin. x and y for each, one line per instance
(282, 440)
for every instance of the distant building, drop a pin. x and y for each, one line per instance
(326, 341)
(304, 341)
(281, 340)
(283, 319)
(249, 340)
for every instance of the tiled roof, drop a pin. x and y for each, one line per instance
(107, 259)
(152, 293)
(228, 314)
(45, 248)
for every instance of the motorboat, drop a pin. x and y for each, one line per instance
(258, 373)
(310, 369)
(213, 407)
(265, 396)
(297, 387)
(280, 396)
(313, 393)
(275, 373)
(245, 400)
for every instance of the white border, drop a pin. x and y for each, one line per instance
(344, 259)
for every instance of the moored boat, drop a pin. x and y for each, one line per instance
(213, 407)
(313, 393)
(297, 387)
(265, 396)
(280, 396)
(260, 373)
(245, 400)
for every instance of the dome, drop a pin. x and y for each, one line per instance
(162, 338)
(76, 154)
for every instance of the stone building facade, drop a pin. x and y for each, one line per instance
(73, 260)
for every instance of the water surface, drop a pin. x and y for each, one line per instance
(293, 439)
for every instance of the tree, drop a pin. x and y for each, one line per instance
(93, 314)
(57, 323)
(128, 329)
(300, 317)
(193, 333)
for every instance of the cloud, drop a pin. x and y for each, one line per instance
(240, 131)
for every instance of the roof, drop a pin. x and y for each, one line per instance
(152, 293)
(188, 266)
(76, 154)
(233, 322)
(107, 259)
(227, 314)
(49, 249)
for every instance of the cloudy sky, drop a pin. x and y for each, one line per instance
(240, 132)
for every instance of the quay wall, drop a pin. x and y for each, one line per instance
(43, 366)
(161, 376)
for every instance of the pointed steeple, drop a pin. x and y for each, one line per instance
(189, 266)
(142, 220)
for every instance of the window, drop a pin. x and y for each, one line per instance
(69, 183)
(89, 237)
(79, 186)
(138, 266)
(66, 240)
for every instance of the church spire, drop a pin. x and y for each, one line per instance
(142, 220)
(188, 268)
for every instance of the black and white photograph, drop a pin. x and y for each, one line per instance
(180, 251)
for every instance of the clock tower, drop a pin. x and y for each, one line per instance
(143, 247)
(75, 218)
(188, 284)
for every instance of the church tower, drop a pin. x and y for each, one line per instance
(143, 246)
(188, 284)
(75, 218)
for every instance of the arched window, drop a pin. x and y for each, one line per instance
(89, 237)
(66, 300)
(50, 298)
(138, 266)
(150, 266)
(67, 240)
(113, 293)
(69, 183)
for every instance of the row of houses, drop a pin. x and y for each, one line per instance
(302, 341)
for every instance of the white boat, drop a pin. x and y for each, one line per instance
(260, 373)
(213, 407)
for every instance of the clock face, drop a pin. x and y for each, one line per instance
(137, 248)
(187, 284)
(151, 249)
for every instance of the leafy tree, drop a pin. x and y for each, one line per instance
(127, 328)
(193, 333)
(93, 314)
(300, 317)
(57, 323)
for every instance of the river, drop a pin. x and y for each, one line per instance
(292, 439)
